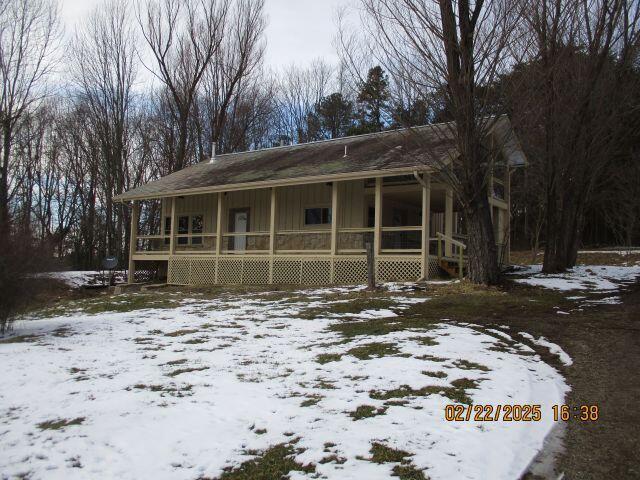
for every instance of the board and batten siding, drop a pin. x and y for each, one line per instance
(291, 202)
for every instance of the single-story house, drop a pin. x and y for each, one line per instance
(302, 214)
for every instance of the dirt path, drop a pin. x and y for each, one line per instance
(604, 343)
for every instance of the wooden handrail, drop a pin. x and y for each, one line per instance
(442, 236)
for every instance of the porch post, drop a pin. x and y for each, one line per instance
(219, 223)
(272, 233)
(172, 240)
(507, 195)
(448, 221)
(133, 240)
(334, 228)
(426, 217)
(378, 218)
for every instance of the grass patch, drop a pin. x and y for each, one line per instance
(438, 374)
(180, 371)
(466, 365)
(274, 463)
(328, 357)
(20, 339)
(405, 470)
(126, 302)
(333, 459)
(376, 349)
(354, 306)
(311, 400)
(168, 389)
(61, 423)
(426, 341)
(367, 411)
(180, 361)
(457, 392)
(179, 333)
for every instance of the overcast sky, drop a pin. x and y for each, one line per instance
(297, 32)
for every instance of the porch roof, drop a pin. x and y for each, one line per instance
(400, 151)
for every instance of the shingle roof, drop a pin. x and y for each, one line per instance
(417, 148)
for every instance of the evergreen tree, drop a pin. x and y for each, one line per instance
(335, 114)
(373, 101)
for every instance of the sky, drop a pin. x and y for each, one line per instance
(298, 31)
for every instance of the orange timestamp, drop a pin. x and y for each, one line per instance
(518, 413)
(493, 413)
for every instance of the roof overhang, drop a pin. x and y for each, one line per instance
(278, 183)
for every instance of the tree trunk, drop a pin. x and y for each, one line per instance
(4, 181)
(482, 256)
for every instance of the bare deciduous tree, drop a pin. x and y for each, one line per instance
(105, 69)
(459, 48)
(28, 34)
(183, 36)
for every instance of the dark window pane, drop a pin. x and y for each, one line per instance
(167, 226)
(197, 223)
(183, 225)
(326, 215)
(183, 240)
(312, 216)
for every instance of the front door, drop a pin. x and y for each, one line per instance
(240, 225)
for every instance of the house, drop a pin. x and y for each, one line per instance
(303, 214)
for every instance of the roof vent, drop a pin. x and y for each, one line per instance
(345, 152)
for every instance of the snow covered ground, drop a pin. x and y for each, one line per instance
(184, 391)
(582, 277)
(75, 278)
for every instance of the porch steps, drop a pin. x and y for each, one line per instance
(452, 268)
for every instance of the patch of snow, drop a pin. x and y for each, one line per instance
(555, 349)
(258, 361)
(581, 277)
(77, 278)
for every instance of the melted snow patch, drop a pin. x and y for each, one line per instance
(555, 349)
(582, 277)
(180, 393)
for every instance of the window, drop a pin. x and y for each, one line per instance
(197, 225)
(183, 229)
(317, 216)
(167, 230)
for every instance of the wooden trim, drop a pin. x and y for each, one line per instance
(133, 240)
(377, 217)
(172, 232)
(426, 223)
(334, 217)
(280, 183)
(272, 221)
(219, 223)
(448, 221)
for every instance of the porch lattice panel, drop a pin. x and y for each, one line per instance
(292, 270)
(350, 270)
(179, 271)
(287, 271)
(230, 270)
(203, 271)
(255, 271)
(316, 272)
(398, 269)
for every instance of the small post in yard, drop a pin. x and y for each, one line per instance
(371, 273)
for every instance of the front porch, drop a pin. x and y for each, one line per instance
(290, 234)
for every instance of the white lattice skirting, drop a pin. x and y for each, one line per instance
(292, 270)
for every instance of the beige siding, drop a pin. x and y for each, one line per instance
(194, 205)
(353, 204)
(293, 200)
(257, 201)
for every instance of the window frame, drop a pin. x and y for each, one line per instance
(322, 208)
